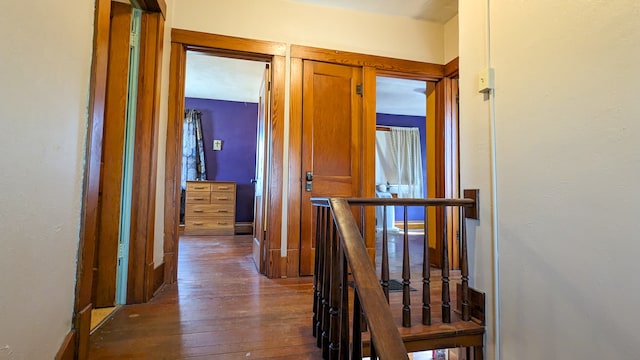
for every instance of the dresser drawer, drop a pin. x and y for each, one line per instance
(198, 197)
(223, 187)
(210, 210)
(223, 197)
(209, 226)
(198, 186)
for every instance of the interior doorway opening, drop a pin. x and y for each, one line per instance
(225, 141)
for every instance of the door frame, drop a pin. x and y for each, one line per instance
(142, 280)
(233, 47)
(372, 66)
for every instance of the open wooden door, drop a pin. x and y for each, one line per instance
(111, 174)
(331, 148)
(260, 180)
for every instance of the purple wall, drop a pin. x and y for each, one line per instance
(409, 121)
(235, 123)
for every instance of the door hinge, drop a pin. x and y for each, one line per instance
(120, 250)
(134, 40)
(269, 86)
(359, 89)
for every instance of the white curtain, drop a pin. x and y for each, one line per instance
(399, 161)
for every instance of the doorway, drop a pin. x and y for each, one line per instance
(111, 260)
(224, 138)
(407, 105)
(229, 48)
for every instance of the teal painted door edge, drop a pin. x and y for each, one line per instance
(127, 167)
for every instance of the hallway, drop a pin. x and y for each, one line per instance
(221, 308)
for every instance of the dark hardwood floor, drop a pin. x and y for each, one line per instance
(221, 308)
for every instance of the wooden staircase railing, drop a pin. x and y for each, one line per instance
(367, 326)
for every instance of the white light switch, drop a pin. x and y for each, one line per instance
(485, 80)
(217, 145)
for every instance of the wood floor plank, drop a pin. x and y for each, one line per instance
(220, 308)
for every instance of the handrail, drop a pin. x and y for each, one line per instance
(340, 246)
(405, 201)
(388, 342)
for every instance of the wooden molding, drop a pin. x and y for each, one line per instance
(173, 160)
(295, 165)
(244, 228)
(156, 6)
(293, 263)
(67, 350)
(415, 69)
(91, 186)
(237, 44)
(369, 75)
(82, 324)
(274, 267)
(451, 68)
(144, 180)
(276, 166)
(158, 278)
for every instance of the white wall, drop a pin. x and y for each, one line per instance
(475, 152)
(310, 25)
(43, 110)
(568, 162)
(451, 39)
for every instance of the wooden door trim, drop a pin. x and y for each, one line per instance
(451, 68)
(410, 68)
(232, 44)
(181, 41)
(368, 154)
(173, 161)
(91, 185)
(140, 284)
(154, 6)
(295, 167)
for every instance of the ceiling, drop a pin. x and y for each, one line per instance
(211, 77)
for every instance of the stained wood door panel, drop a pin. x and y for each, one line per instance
(331, 135)
(112, 156)
(262, 169)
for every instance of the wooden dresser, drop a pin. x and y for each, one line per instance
(210, 208)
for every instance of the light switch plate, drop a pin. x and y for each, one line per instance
(485, 80)
(217, 145)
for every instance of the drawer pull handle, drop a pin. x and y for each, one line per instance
(198, 210)
(223, 210)
(199, 187)
(198, 223)
(223, 187)
(222, 223)
(223, 198)
(198, 198)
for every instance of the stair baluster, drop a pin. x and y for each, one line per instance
(446, 306)
(426, 274)
(406, 274)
